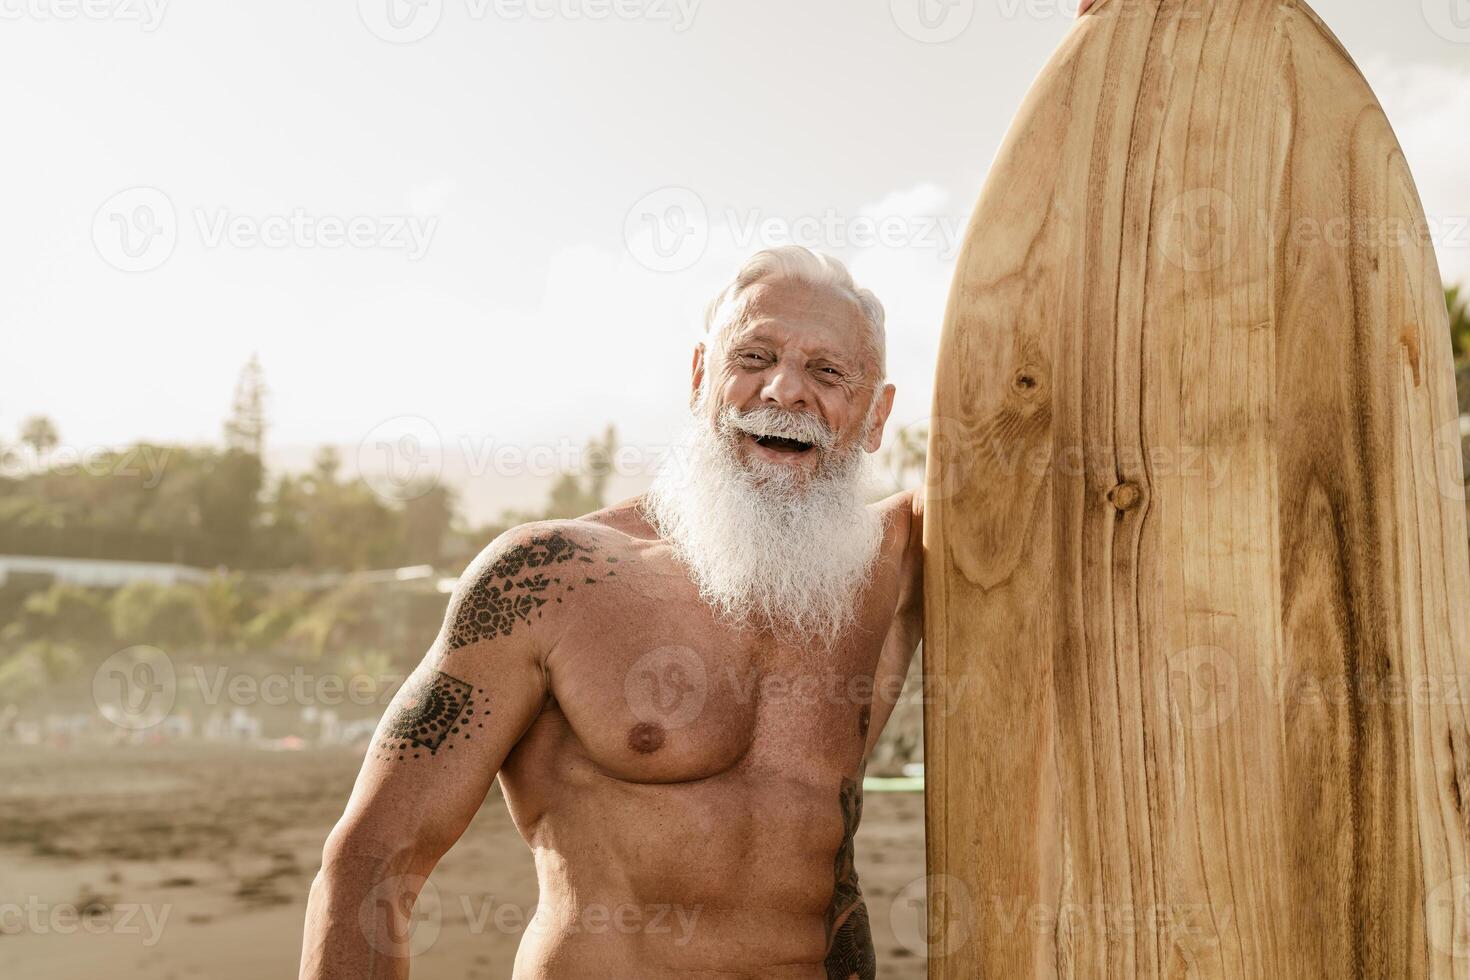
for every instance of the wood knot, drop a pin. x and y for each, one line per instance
(1125, 496)
(1025, 382)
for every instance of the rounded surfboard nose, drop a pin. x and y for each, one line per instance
(1198, 593)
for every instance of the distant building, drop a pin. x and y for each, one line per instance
(98, 573)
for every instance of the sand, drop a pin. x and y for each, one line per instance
(173, 863)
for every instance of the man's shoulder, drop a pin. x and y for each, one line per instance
(904, 513)
(546, 545)
(529, 571)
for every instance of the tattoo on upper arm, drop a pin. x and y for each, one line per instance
(850, 954)
(509, 592)
(433, 711)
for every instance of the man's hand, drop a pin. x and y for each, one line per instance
(1085, 7)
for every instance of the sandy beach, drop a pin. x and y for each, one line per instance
(184, 862)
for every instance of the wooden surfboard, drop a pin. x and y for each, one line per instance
(1198, 595)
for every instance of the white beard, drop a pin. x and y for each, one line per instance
(770, 548)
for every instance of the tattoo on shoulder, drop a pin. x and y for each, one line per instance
(850, 954)
(520, 582)
(433, 713)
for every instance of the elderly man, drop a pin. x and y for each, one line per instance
(676, 692)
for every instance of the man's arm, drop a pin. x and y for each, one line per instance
(436, 752)
(908, 621)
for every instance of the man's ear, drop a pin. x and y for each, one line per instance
(698, 375)
(880, 418)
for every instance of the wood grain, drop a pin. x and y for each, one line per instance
(1198, 601)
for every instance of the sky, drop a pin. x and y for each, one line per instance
(494, 224)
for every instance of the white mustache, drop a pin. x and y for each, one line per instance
(778, 423)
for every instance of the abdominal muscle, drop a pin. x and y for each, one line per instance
(723, 877)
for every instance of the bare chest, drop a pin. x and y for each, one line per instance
(653, 689)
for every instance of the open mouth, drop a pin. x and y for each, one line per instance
(780, 445)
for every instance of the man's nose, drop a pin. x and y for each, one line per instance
(785, 387)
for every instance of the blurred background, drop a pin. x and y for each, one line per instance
(308, 302)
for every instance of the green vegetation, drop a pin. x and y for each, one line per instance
(286, 549)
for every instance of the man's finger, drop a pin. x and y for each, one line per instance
(1085, 7)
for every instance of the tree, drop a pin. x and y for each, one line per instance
(427, 518)
(575, 494)
(228, 502)
(1459, 307)
(246, 425)
(65, 613)
(325, 466)
(39, 432)
(170, 617)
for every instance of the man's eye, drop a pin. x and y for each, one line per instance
(832, 372)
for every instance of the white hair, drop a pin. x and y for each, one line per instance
(798, 264)
(770, 549)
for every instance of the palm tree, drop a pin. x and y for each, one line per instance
(1459, 321)
(1459, 306)
(40, 434)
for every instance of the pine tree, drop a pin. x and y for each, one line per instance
(245, 428)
